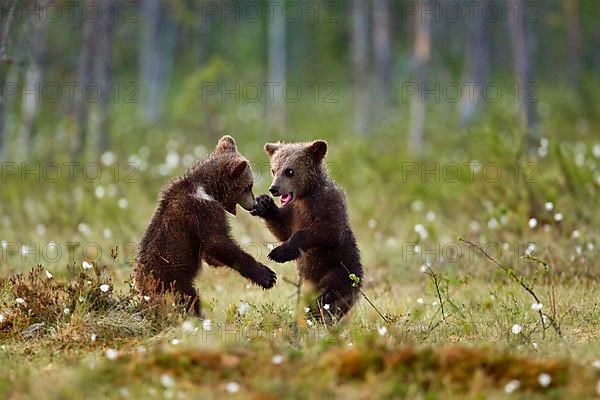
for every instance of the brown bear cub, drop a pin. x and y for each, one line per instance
(313, 224)
(190, 225)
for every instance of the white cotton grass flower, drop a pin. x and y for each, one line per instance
(207, 325)
(430, 216)
(242, 308)
(575, 234)
(277, 359)
(306, 310)
(147, 298)
(123, 203)
(516, 329)
(512, 386)
(84, 229)
(424, 268)
(20, 300)
(175, 342)
(421, 231)
(67, 310)
(382, 330)
(310, 322)
(558, 217)
(232, 387)
(417, 205)
(326, 307)
(49, 275)
(537, 306)
(549, 206)
(596, 364)
(167, 380)
(372, 223)
(108, 158)
(86, 265)
(111, 354)
(100, 192)
(544, 379)
(93, 337)
(107, 233)
(420, 301)
(532, 223)
(492, 223)
(531, 248)
(1, 318)
(104, 288)
(187, 326)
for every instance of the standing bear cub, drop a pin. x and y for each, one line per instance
(313, 224)
(189, 224)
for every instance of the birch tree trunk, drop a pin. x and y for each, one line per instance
(101, 72)
(159, 32)
(422, 53)
(37, 43)
(382, 44)
(360, 34)
(86, 71)
(477, 66)
(523, 73)
(277, 66)
(5, 63)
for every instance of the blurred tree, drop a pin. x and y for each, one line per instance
(477, 64)
(360, 35)
(526, 87)
(382, 41)
(277, 65)
(158, 39)
(7, 8)
(37, 42)
(94, 80)
(574, 44)
(422, 53)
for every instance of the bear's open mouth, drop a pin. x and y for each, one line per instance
(287, 198)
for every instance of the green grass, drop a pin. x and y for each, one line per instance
(114, 344)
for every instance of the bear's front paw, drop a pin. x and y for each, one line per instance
(264, 207)
(284, 253)
(265, 277)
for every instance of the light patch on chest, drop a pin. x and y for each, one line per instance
(201, 194)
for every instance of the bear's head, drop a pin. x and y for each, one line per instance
(234, 178)
(297, 168)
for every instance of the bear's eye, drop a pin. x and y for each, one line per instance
(249, 188)
(289, 172)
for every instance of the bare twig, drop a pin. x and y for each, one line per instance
(521, 282)
(436, 283)
(365, 296)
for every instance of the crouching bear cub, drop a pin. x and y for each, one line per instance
(313, 224)
(189, 224)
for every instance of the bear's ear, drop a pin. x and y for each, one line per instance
(317, 150)
(225, 144)
(271, 148)
(237, 167)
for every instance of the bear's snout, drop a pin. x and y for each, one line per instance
(274, 190)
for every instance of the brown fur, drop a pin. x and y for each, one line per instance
(189, 224)
(314, 227)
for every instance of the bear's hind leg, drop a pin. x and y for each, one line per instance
(189, 298)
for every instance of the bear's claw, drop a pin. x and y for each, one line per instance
(283, 253)
(265, 277)
(264, 207)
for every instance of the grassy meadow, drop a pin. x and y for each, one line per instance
(481, 267)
